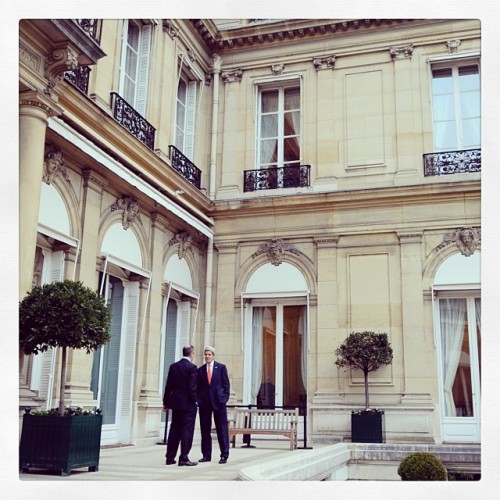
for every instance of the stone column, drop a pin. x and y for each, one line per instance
(416, 362)
(34, 111)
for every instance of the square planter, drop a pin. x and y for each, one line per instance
(367, 427)
(60, 443)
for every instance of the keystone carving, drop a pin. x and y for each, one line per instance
(401, 52)
(277, 69)
(321, 63)
(453, 46)
(184, 241)
(467, 239)
(130, 210)
(53, 165)
(233, 75)
(275, 250)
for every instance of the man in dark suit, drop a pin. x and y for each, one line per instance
(180, 396)
(213, 394)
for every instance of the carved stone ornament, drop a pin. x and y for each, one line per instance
(401, 52)
(169, 28)
(60, 61)
(184, 241)
(275, 250)
(277, 69)
(233, 75)
(53, 165)
(467, 239)
(217, 63)
(321, 63)
(130, 208)
(453, 46)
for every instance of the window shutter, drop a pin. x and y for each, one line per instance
(45, 362)
(142, 80)
(128, 359)
(190, 120)
(183, 323)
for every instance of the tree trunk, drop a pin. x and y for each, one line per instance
(367, 399)
(63, 380)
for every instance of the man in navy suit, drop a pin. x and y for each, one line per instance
(213, 394)
(180, 396)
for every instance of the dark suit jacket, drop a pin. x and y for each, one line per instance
(217, 393)
(180, 389)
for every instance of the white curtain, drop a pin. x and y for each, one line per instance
(256, 352)
(303, 332)
(452, 320)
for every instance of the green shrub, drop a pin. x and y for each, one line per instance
(422, 466)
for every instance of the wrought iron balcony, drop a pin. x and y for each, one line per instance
(92, 27)
(276, 177)
(79, 78)
(452, 162)
(134, 122)
(185, 166)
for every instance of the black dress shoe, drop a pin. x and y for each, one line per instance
(170, 461)
(187, 463)
(223, 460)
(205, 459)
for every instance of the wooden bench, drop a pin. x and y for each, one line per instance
(263, 421)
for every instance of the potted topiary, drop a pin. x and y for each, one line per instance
(68, 315)
(422, 466)
(365, 351)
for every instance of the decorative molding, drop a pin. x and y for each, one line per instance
(170, 29)
(130, 208)
(232, 75)
(183, 240)
(277, 69)
(30, 58)
(53, 165)
(321, 63)
(401, 52)
(92, 179)
(467, 239)
(216, 63)
(410, 237)
(327, 241)
(275, 250)
(60, 61)
(453, 46)
(37, 104)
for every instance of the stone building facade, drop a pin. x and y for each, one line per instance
(266, 187)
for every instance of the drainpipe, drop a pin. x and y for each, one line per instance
(216, 69)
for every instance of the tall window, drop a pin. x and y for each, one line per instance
(134, 65)
(279, 127)
(456, 101)
(185, 117)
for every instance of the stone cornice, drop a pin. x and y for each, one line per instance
(261, 34)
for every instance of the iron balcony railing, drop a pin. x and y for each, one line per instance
(452, 162)
(277, 177)
(131, 120)
(79, 78)
(184, 166)
(92, 27)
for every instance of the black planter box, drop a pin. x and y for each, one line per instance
(60, 443)
(367, 427)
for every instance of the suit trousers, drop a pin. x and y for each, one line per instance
(221, 426)
(181, 432)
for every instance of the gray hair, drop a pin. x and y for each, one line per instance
(210, 348)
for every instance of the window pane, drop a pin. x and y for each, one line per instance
(291, 149)
(469, 78)
(443, 107)
(129, 90)
(292, 123)
(269, 126)
(445, 136)
(442, 81)
(292, 99)
(133, 36)
(268, 151)
(182, 91)
(471, 132)
(471, 104)
(270, 101)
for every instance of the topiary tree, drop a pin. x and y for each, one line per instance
(365, 351)
(422, 466)
(63, 314)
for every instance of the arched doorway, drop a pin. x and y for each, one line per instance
(275, 326)
(457, 312)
